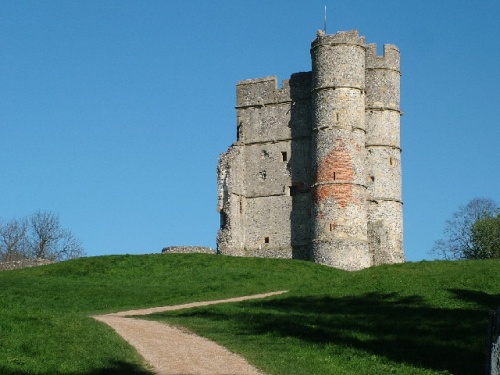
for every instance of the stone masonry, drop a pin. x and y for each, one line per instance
(315, 172)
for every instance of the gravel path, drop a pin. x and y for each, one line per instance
(169, 350)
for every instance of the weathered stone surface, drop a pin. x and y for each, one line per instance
(315, 172)
(187, 249)
(23, 263)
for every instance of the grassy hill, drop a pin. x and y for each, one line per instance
(414, 318)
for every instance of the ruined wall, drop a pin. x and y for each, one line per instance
(315, 171)
(187, 250)
(264, 215)
(24, 263)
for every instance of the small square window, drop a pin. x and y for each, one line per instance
(266, 239)
(284, 156)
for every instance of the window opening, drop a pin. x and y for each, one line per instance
(284, 156)
(238, 131)
(334, 176)
(266, 239)
(223, 219)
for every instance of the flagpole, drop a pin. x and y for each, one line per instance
(324, 28)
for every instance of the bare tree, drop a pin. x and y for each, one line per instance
(13, 240)
(48, 240)
(460, 242)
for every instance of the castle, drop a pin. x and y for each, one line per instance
(315, 172)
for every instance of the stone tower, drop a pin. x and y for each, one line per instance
(339, 216)
(315, 171)
(385, 205)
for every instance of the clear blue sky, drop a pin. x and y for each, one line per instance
(113, 113)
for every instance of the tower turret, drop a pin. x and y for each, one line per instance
(385, 207)
(338, 213)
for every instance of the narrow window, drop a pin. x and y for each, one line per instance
(223, 219)
(334, 176)
(332, 227)
(239, 130)
(390, 161)
(266, 239)
(292, 190)
(241, 205)
(284, 156)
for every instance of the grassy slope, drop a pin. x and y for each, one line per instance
(415, 318)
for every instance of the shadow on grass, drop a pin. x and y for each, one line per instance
(115, 368)
(481, 299)
(401, 329)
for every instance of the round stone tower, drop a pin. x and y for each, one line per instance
(385, 206)
(339, 212)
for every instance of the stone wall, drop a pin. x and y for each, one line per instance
(24, 263)
(187, 249)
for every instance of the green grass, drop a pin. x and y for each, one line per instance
(414, 318)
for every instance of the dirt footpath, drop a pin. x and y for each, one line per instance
(169, 350)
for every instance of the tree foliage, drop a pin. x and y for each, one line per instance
(469, 234)
(486, 238)
(40, 236)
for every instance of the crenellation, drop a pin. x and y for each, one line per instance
(350, 37)
(315, 173)
(383, 78)
(261, 92)
(389, 60)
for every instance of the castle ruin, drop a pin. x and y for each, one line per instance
(315, 172)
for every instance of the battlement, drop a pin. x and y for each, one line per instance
(342, 37)
(264, 91)
(389, 60)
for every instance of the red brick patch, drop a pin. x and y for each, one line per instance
(335, 175)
